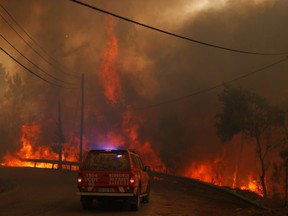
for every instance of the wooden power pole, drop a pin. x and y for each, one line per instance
(81, 119)
(59, 136)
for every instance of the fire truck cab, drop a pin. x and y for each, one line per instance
(113, 174)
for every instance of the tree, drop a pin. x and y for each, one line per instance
(252, 115)
(11, 104)
(284, 156)
(5, 139)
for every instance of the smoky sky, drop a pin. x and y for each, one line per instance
(152, 67)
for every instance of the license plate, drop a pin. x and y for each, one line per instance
(106, 190)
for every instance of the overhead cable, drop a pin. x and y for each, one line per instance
(41, 56)
(170, 101)
(176, 35)
(28, 35)
(35, 74)
(57, 79)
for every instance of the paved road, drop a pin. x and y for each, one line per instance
(31, 192)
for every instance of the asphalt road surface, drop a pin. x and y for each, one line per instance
(31, 192)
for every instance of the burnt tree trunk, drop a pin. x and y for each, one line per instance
(262, 167)
(286, 183)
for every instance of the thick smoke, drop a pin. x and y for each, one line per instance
(152, 67)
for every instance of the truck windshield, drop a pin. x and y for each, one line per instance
(106, 161)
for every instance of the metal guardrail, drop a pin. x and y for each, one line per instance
(53, 162)
(177, 178)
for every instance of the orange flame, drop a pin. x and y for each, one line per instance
(145, 149)
(107, 75)
(252, 185)
(206, 171)
(30, 151)
(211, 172)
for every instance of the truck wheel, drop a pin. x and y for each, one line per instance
(86, 203)
(146, 198)
(136, 206)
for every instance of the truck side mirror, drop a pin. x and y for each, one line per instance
(147, 168)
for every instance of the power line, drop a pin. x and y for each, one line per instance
(33, 63)
(41, 56)
(176, 35)
(33, 40)
(213, 87)
(35, 74)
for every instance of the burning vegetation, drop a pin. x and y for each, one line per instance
(31, 154)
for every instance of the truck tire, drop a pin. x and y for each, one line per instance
(135, 206)
(86, 202)
(146, 198)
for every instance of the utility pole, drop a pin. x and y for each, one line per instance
(81, 119)
(59, 136)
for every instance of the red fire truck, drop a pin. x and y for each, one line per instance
(113, 174)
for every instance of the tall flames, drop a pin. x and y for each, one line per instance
(108, 76)
(111, 83)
